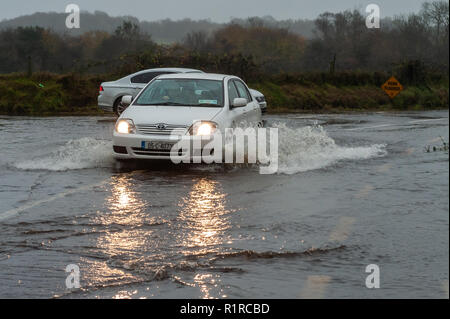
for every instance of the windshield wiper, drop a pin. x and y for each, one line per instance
(167, 104)
(183, 104)
(208, 104)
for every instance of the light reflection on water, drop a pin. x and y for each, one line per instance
(203, 214)
(121, 237)
(127, 214)
(198, 228)
(204, 220)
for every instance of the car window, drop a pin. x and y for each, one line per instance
(144, 78)
(183, 92)
(242, 90)
(232, 92)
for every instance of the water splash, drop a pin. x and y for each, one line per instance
(300, 150)
(310, 148)
(82, 153)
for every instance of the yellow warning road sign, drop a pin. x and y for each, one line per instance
(392, 87)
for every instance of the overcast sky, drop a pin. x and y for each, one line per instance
(216, 10)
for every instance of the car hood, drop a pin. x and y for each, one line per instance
(176, 115)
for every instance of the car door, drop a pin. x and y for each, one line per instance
(237, 113)
(250, 112)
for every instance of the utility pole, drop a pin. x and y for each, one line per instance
(333, 65)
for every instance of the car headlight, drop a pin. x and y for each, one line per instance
(260, 99)
(125, 126)
(203, 128)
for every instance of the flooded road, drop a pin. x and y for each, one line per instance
(351, 190)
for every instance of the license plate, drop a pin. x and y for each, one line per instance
(160, 146)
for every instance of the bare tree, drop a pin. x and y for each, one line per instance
(436, 15)
(196, 41)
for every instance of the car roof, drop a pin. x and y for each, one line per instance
(176, 70)
(201, 76)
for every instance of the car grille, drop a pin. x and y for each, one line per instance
(152, 152)
(152, 129)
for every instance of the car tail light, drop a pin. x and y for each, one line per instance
(101, 89)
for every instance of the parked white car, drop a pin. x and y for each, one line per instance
(111, 93)
(176, 105)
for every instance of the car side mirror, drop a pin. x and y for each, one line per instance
(239, 102)
(126, 100)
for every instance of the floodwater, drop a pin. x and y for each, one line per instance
(352, 190)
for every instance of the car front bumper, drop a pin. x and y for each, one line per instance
(133, 146)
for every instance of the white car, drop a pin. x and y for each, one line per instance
(110, 93)
(181, 105)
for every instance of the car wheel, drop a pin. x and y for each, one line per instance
(118, 106)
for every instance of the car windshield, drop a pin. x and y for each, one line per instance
(183, 92)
